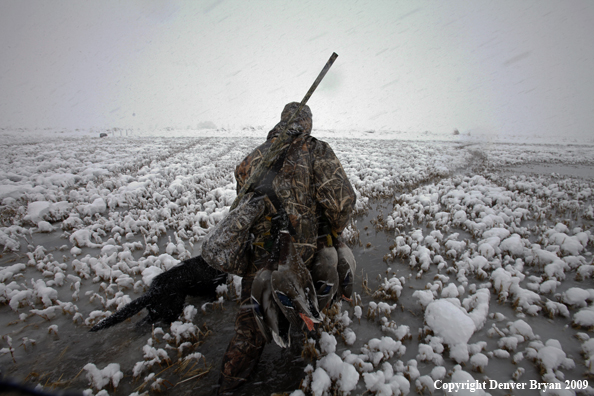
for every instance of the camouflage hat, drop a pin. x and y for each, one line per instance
(304, 118)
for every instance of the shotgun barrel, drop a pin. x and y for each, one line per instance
(282, 141)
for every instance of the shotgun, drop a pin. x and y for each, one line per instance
(282, 141)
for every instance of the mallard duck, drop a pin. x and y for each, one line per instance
(270, 319)
(346, 270)
(293, 288)
(325, 275)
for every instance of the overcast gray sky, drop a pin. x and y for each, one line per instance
(520, 67)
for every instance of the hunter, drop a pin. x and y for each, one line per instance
(311, 186)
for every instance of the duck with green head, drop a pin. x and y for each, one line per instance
(293, 287)
(269, 317)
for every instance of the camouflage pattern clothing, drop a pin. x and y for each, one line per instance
(311, 184)
(246, 346)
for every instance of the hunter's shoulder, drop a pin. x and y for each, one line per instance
(313, 142)
(315, 147)
(259, 151)
(320, 147)
(243, 169)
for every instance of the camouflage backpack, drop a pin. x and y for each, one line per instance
(227, 244)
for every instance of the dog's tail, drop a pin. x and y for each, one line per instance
(128, 311)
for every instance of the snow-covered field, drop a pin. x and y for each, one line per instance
(474, 264)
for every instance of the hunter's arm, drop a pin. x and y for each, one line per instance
(333, 189)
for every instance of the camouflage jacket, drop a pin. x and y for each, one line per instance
(310, 185)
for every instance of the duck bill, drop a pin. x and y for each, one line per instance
(308, 321)
(345, 298)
